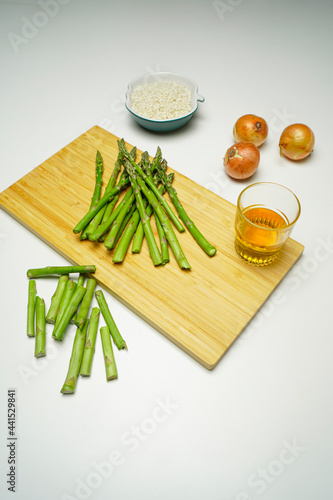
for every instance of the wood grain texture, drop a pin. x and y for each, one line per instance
(203, 310)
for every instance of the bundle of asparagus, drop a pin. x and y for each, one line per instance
(145, 183)
(71, 303)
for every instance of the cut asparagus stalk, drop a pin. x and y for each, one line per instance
(97, 191)
(153, 248)
(65, 299)
(197, 235)
(59, 270)
(60, 328)
(56, 299)
(40, 328)
(152, 187)
(117, 338)
(80, 282)
(89, 348)
(32, 291)
(75, 360)
(86, 302)
(109, 361)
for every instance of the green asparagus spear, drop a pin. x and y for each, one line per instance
(31, 308)
(75, 360)
(86, 302)
(163, 242)
(99, 179)
(197, 235)
(115, 172)
(56, 299)
(40, 328)
(60, 328)
(59, 270)
(97, 192)
(89, 348)
(117, 338)
(110, 364)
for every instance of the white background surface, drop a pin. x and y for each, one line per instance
(259, 426)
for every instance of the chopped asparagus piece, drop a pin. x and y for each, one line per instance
(89, 348)
(75, 360)
(56, 299)
(117, 338)
(86, 301)
(40, 328)
(32, 291)
(110, 364)
(59, 270)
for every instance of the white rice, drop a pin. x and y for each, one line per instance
(162, 100)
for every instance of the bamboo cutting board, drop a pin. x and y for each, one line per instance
(203, 310)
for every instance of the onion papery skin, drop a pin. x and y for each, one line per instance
(250, 128)
(296, 141)
(241, 160)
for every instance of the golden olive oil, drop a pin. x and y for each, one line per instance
(260, 233)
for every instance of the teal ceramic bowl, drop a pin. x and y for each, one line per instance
(164, 125)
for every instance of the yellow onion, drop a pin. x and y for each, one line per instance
(296, 141)
(241, 160)
(250, 128)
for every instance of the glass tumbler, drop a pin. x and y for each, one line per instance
(265, 217)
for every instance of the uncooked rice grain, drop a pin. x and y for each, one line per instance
(162, 100)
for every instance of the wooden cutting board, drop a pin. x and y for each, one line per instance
(203, 310)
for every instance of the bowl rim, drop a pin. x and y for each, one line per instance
(198, 97)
